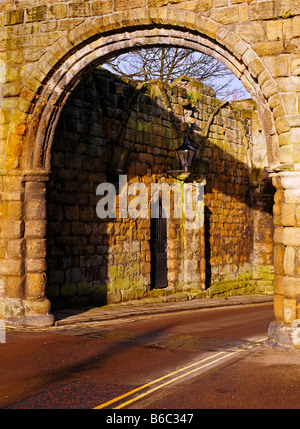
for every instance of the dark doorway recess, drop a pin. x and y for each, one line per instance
(158, 245)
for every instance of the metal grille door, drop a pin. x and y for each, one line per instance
(159, 251)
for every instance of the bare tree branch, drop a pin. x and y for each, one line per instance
(165, 64)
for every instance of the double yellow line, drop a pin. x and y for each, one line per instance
(186, 371)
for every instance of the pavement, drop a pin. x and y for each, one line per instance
(173, 303)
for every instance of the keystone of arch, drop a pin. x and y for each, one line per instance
(63, 64)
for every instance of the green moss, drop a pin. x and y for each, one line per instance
(122, 283)
(53, 291)
(68, 289)
(263, 268)
(244, 276)
(112, 272)
(192, 97)
(84, 288)
(156, 293)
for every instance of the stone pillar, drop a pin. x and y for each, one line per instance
(284, 330)
(36, 304)
(12, 267)
(23, 241)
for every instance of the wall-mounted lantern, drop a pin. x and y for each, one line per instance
(186, 154)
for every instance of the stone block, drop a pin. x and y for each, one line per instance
(291, 236)
(290, 179)
(120, 5)
(277, 209)
(84, 288)
(256, 67)
(37, 13)
(289, 310)
(12, 229)
(122, 283)
(38, 307)
(249, 56)
(277, 65)
(278, 285)
(243, 12)
(14, 210)
(211, 28)
(11, 267)
(114, 296)
(139, 292)
(112, 272)
(71, 212)
(279, 251)
(15, 248)
(285, 139)
(35, 285)
(102, 7)
(77, 10)
(298, 312)
(15, 287)
(36, 248)
(76, 275)
(278, 307)
(290, 102)
(296, 26)
(262, 10)
(288, 84)
(288, 215)
(36, 265)
(278, 235)
(35, 228)
(251, 32)
(53, 292)
(295, 68)
(57, 11)
(68, 290)
(220, 3)
(78, 228)
(274, 29)
(269, 89)
(298, 215)
(295, 135)
(269, 48)
(291, 287)
(289, 261)
(286, 154)
(296, 153)
(128, 295)
(292, 196)
(34, 191)
(14, 17)
(226, 15)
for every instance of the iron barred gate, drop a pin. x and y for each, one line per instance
(158, 246)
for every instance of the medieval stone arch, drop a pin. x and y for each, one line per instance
(60, 79)
(249, 38)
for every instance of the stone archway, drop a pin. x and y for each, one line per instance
(60, 84)
(43, 92)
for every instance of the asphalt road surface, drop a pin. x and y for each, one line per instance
(199, 359)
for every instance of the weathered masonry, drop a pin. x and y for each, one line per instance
(109, 127)
(48, 47)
